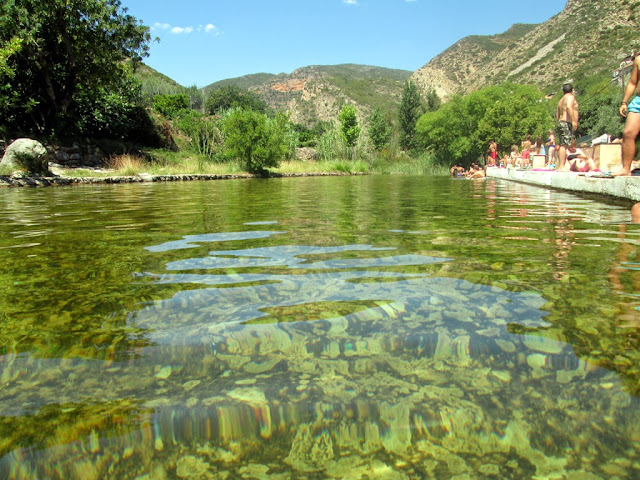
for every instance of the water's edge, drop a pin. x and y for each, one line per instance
(40, 181)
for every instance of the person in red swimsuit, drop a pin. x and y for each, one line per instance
(492, 154)
(526, 151)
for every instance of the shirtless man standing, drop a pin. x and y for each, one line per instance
(632, 125)
(567, 117)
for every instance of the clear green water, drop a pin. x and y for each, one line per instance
(318, 328)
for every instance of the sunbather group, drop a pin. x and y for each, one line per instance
(475, 171)
(521, 156)
(569, 157)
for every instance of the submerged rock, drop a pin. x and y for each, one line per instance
(193, 468)
(310, 453)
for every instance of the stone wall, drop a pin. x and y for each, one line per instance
(77, 155)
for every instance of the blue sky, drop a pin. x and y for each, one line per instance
(203, 41)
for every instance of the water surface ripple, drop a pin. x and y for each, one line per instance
(347, 328)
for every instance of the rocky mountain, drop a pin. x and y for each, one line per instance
(317, 93)
(588, 37)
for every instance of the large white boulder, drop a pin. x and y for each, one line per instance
(26, 154)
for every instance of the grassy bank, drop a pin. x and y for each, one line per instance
(170, 163)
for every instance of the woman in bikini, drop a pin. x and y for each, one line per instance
(551, 148)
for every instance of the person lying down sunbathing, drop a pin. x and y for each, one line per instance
(578, 161)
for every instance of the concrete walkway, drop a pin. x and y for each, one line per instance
(620, 187)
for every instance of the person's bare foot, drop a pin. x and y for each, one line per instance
(563, 169)
(623, 172)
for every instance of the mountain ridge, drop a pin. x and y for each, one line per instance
(588, 37)
(317, 92)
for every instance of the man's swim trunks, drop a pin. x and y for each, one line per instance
(635, 105)
(565, 133)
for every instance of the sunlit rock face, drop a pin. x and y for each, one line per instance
(580, 36)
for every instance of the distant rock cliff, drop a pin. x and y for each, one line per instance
(317, 93)
(587, 37)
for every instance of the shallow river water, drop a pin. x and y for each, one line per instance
(318, 328)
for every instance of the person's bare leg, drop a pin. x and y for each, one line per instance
(631, 129)
(635, 213)
(562, 157)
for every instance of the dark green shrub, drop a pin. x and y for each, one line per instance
(170, 105)
(204, 135)
(257, 141)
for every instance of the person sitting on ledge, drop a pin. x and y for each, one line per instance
(515, 159)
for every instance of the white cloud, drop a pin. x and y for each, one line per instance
(350, 2)
(181, 30)
(209, 28)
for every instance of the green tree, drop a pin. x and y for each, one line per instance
(411, 107)
(196, 98)
(460, 131)
(349, 128)
(8, 96)
(257, 141)
(203, 133)
(232, 96)
(170, 105)
(445, 132)
(433, 101)
(65, 46)
(599, 107)
(513, 112)
(379, 130)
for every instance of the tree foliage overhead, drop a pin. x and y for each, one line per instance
(69, 51)
(460, 131)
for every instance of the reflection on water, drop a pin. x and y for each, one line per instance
(414, 343)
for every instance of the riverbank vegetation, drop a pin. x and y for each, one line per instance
(160, 127)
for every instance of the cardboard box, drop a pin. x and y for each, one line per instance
(608, 156)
